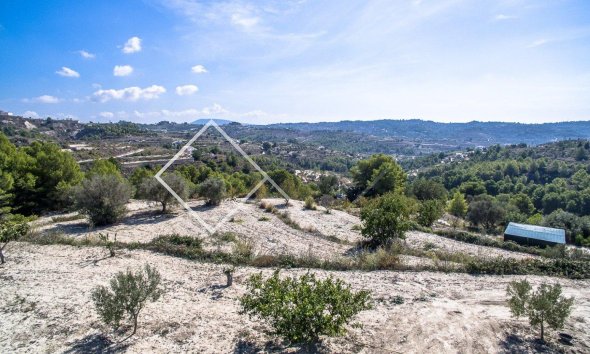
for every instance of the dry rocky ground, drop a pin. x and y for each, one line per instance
(46, 307)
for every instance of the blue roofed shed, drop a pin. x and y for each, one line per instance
(534, 235)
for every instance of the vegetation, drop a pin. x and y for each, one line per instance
(128, 294)
(386, 218)
(310, 203)
(529, 184)
(544, 306)
(486, 212)
(151, 189)
(103, 199)
(35, 178)
(213, 190)
(377, 175)
(458, 205)
(12, 227)
(429, 211)
(305, 308)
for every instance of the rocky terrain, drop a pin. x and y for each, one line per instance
(46, 305)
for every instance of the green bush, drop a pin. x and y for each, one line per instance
(213, 190)
(177, 245)
(545, 305)
(573, 269)
(303, 309)
(103, 199)
(151, 189)
(386, 218)
(127, 296)
(430, 211)
(310, 203)
(12, 227)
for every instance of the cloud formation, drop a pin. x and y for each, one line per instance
(31, 114)
(67, 72)
(186, 90)
(106, 114)
(199, 69)
(503, 17)
(129, 93)
(86, 55)
(122, 70)
(133, 45)
(43, 99)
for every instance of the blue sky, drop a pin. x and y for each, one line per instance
(285, 61)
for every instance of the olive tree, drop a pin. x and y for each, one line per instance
(213, 190)
(128, 294)
(152, 189)
(103, 198)
(486, 212)
(543, 306)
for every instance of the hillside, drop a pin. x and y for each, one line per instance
(466, 134)
(48, 287)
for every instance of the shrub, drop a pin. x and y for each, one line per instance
(103, 199)
(458, 205)
(486, 212)
(302, 309)
(545, 305)
(429, 212)
(110, 245)
(213, 190)
(177, 245)
(310, 203)
(377, 175)
(386, 218)
(127, 296)
(243, 250)
(151, 189)
(327, 201)
(12, 227)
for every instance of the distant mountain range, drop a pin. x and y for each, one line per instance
(204, 121)
(478, 133)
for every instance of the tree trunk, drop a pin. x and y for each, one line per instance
(163, 207)
(1, 256)
(135, 323)
(230, 278)
(542, 330)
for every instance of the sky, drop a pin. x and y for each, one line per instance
(269, 61)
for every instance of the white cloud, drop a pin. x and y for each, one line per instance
(215, 109)
(31, 114)
(191, 113)
(67, 72)
(122, 70)
(199, 69)
(130, 93)
(537, 43)
(503, 17)
(106, 114)
(132, 45)
(186, 90)
(86, 55)
(42, 99)
(244, 21)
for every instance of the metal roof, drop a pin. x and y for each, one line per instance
(537, 232)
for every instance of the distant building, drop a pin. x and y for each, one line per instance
(533, 235)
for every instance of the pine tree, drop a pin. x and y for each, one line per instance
(458, 205)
